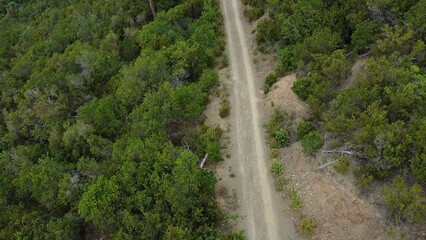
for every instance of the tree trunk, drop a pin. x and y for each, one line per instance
(151, 4)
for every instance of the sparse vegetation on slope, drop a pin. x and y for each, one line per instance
(382, 116)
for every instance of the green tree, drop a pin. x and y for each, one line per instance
(312, 142)
(41, 180)
(100, 202)
(303, 128)
(104, 114)
(363, 36)
(405, 203)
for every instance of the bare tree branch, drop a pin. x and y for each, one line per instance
(204, 160)
(342, 152)
(327, 164)
(151, 4)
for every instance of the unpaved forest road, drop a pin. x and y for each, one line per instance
(260, 206)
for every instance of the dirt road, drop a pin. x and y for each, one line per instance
(260, 206)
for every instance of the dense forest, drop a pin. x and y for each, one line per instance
(380, 117)
(102, 119)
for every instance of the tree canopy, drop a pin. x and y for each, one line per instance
(102, 119)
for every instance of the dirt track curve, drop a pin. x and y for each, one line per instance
(260, 205)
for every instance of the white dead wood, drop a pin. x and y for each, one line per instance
(335, 151)
(204, 160)
(327, 164)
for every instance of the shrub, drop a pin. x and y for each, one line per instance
(279, 119)
(303, 128)
(208, 79)
(234, 236)
(287, 60)
(270, 80)
(277, 169)
(267, 31)
(405, 203)
(253, 13)
(280, 183)
(225, 109)
(363, 36)
(365, 182)
(225, 61)
(342, 165)
(312, 142)
(282, 138)
(418, 167)
(295, 199)
(301, 88)
(307, 225)
(274, 153)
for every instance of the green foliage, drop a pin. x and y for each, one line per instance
(266, 32)
(270, 80)
(282, 138)
(225, 109)
(234, 236)
(416, 17)
(104, 114)
(98, 203)
(41, 180)
(376, 109)
(277, 169)
(365, 182)
(295, 199)
(209, 79)
(323, 41)
(253, 13)
(277, 125)
(405, 203)
(342, 165)
(303, 128)
(288, 58)
(307, 225)
(418, 166)
(363, 36)
(98, 100)
(312, 142)
(303, 87)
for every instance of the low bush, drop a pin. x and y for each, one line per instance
(312, 142)
(253, 13)
(307, 225)
(277, 169)
(365, 182)
(303, 128)
(287, 60)
(274, 153)
(281, 183)
(270, 80)
(282, 138)
(279, 119)
(235, 236)
(342, 165)
(225, 109)
(295, 199)
(405, 203)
